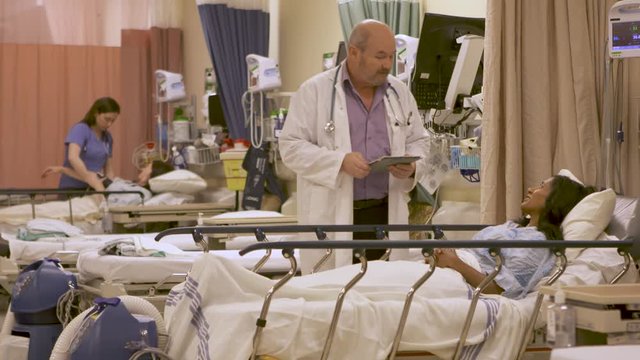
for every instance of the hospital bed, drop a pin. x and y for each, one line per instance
(501, 329)
(85, 211)
(80, 207)
(512, 326)
(220, 240)
(117, 275)
(65, 249)
(135, 214)
(152, 277)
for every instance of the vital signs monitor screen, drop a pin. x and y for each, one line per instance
(626, 36)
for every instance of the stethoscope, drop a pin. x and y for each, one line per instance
(330, 126)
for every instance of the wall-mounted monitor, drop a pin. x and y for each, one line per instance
(437, 55)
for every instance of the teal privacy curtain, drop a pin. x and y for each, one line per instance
(403, 16)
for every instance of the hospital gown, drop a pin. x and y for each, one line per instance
(523, 267)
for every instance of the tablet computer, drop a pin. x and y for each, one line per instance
(382, 163)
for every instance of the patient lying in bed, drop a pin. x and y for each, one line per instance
(545, 208)
(151, 170)
(217, 293)
(149, 181)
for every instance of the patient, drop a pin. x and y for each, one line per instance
(544, 209)
(153, 169)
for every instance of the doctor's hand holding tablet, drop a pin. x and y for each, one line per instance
(400, 167)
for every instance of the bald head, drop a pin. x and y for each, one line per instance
(372, 47)
(367, 29)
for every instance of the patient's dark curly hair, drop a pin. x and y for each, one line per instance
(564, 195)
(159, 167)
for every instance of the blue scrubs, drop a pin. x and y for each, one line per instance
(94, 153)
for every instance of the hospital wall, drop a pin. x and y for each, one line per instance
(307, 29)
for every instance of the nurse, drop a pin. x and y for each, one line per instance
(341, 120)
(89, 147)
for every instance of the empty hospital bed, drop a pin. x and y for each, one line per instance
(135, 214)
(151, 277)
(66, 249)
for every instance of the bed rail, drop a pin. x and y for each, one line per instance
(627, 248)
(69, 194)
(319, 230)
(199, 234)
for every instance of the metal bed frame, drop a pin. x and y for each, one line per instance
(629, 249)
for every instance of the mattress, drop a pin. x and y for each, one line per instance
(160, 213)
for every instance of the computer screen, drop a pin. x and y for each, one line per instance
(436, 57)
(216, 115)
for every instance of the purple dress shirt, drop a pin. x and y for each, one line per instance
(369, 136)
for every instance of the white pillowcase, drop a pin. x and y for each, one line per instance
(590, 216)
(181, 181)
(569, 174)
(588, 219)
(248, 214)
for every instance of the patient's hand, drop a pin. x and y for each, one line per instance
(447, 258)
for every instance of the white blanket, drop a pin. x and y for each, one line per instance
(129, 270)
(138, 246)
(29, 251)
(85, 208)
(213, 314)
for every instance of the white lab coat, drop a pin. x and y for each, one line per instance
(324, 193)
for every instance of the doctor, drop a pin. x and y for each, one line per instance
(338, 122)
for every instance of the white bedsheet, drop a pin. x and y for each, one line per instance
(241, 242)
(85, 208)
(220, 301)
(129, 270)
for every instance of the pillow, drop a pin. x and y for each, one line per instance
(170, 198)
(248, 214)
(569, 174)
(588, 219)
(590, 216)
(181, 181)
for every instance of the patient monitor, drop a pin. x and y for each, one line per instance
(624, 29)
